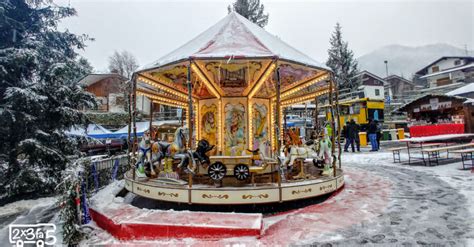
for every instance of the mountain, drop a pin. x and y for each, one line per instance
(406, 60)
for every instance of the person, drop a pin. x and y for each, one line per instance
(356, 134)
(372, 131)
(379, 133)
(349, 137)
(344, 134)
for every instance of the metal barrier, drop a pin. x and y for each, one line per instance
(103, 171)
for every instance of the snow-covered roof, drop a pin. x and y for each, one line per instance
(92, 129)
(462, 90)
(235, 36)
(404, 106)
(471, 65)
(93, 78)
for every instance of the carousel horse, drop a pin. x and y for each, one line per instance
(144, 155)
(198, 157)
(296, 150)
(325, 151)
(174, 150)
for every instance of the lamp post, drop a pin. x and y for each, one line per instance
(386, 67)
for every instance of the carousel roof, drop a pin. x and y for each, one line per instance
(235, 37)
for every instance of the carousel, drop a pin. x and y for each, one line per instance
(233, 83)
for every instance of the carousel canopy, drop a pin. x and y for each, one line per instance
(235, 37)
(233, 58)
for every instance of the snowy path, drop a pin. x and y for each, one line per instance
(41, 210)
(428, 205)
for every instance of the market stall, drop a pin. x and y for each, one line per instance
(438, 114)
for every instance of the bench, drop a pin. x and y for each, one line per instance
(396, 153)
(466, 154)
(433, 153)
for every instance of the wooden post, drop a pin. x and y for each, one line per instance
(333, 137)
(151, 120)
(134, 123)
(129, 137)
(190, 107)
(278, 122)
(339, 124)
(316, 114)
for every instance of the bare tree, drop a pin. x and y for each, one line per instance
(123, 63)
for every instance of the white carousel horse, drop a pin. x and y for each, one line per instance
(325, 146)
(144, 155)
(175, 150)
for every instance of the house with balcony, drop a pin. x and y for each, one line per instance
(447, 72)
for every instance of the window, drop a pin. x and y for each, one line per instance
(457, 62)
(435, 69)
(377, 92)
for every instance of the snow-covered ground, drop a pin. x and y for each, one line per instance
(383, 203)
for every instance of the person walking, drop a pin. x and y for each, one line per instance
(379, 133)
(344, 134)
(372, 131)
(356, 134)
(350, 137)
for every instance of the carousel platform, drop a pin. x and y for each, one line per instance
(246, 194)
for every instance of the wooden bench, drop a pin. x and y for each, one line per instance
(433, 153)
(396, 153)
(466, 154)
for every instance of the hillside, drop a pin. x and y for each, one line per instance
(406, 60)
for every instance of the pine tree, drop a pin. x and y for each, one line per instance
(341, 60)
(39, 95)
(250, 9)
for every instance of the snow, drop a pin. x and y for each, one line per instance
(436, 138)
(469, 88)
(234, 36)
(25, 205)
(92, 129)
(106, 203)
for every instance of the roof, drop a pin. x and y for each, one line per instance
(469, 88)
(370, 74)
(92, 129)
(441, 58)
(403, 107)
(471, 65)
(398, 77)
(93, 78)
(234, 37)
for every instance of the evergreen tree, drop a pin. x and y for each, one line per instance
(39, 95)
(341, 60)
(250, 9)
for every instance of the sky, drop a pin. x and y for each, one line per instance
(151, 29)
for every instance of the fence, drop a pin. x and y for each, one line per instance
(102, 172)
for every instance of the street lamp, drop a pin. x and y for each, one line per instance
(386, 67)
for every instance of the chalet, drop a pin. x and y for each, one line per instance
(446, 71)
(109, 90)
(398, 86)
(370, 85)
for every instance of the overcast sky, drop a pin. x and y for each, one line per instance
(150, 29)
